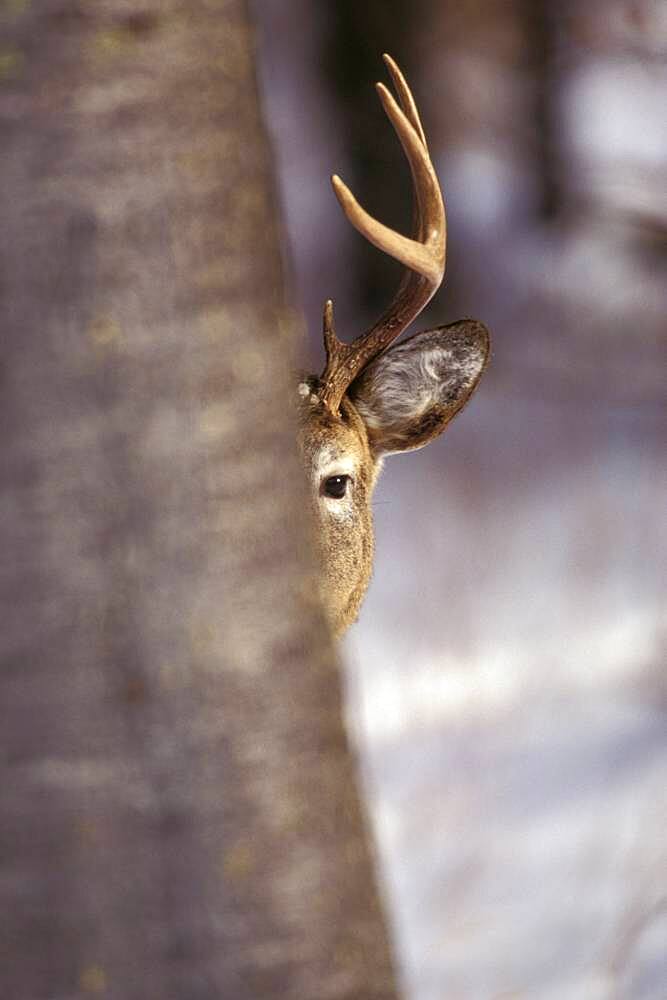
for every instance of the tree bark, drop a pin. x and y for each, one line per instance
(180, 814)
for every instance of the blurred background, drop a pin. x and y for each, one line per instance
(507, 676)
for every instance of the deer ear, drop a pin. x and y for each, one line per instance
(408, 395)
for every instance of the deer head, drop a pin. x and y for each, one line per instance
(372, 398)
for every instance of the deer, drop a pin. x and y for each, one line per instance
(376, 397)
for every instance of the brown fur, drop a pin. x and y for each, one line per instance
(407, 397)
(345, 543)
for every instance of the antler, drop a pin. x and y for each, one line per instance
(423, 255)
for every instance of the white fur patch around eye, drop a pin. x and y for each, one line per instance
(328, 463)
(341, 510)
(303, 389)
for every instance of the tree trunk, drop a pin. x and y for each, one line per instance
(180, 817)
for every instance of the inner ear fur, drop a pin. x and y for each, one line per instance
(408, 395)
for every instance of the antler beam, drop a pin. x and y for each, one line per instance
(423, 255)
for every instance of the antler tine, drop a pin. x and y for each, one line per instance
(423, 255)
(405, 96)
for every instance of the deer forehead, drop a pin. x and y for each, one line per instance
(328, 440)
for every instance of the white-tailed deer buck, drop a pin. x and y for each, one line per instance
(371, 399)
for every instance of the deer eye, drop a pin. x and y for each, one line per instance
(335, 487)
